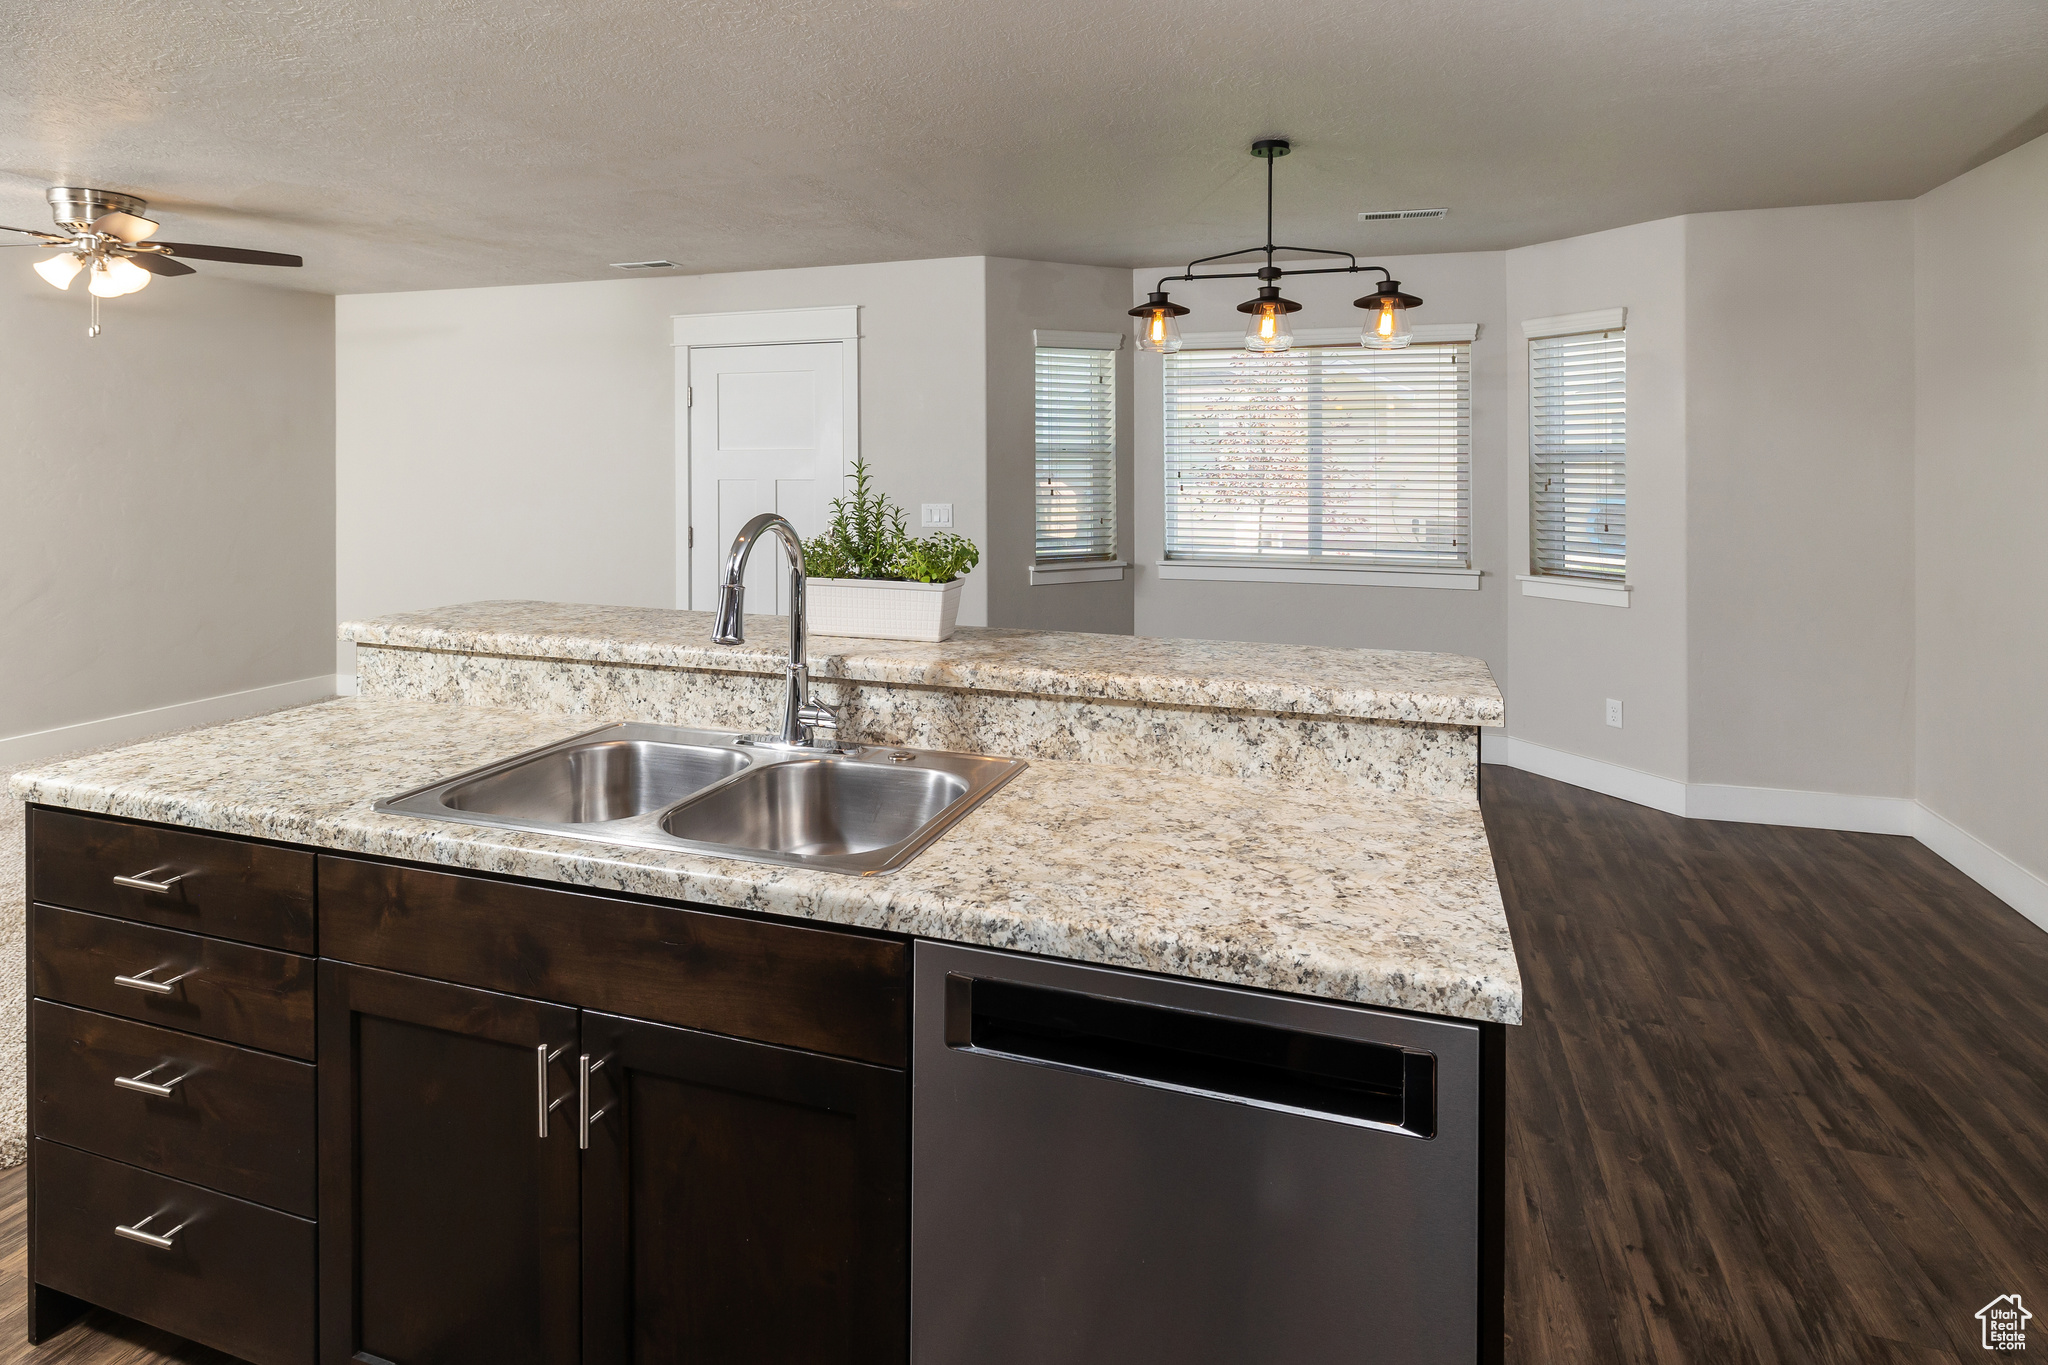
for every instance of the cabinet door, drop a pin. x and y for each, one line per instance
(743, 1204)
(448, 1196)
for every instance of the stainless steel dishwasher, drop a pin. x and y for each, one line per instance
(1111, 1168)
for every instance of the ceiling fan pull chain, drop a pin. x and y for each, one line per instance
(94, 330)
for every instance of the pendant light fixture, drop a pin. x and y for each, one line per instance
(1386, 316)
(1267, 331)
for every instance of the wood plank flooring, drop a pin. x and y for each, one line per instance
(1781, 1095)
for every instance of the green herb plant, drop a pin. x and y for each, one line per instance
(868, 537)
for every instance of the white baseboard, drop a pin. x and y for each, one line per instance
(1808, 810)
(1609, 779)
(2017, 886)
(16, 750)
(344, 684)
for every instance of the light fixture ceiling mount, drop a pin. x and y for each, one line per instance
(105, 236)
(1267, 330)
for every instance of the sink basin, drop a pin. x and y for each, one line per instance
(593, 783)
(818, 808)
(863, 810)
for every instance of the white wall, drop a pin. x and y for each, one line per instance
(1462, 287)
(1981, 498)
(1799, 498)
(1022, 297)
(169, 506)
(1569, 657)
(519, 442)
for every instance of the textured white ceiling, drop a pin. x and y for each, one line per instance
(438, 143)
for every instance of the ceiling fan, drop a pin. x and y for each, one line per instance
(106, 238)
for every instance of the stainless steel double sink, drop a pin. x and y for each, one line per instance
(864, 809)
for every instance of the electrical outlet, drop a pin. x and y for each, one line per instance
(1614, 713)
(938, 514)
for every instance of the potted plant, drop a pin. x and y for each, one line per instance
(870, 577)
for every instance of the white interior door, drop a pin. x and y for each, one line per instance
(767, 434)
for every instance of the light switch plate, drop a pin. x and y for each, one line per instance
(1614, 713)
(938, 514)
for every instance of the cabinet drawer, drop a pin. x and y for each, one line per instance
(234, 1120)
(209, 884)
(252, 996)
(816, 989)
(235, 1277)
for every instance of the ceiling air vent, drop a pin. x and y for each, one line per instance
(646, 265)
(1390, 215)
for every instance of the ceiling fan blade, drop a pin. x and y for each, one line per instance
(125, 227)
(47, 238)
(229, 253)
(156, 263)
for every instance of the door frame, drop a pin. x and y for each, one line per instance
(766, 327)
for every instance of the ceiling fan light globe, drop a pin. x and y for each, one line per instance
(113, 276)
(133, 277)
(60, 269)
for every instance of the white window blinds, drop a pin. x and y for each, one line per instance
(1076, 405)
(1323, 453)
(1578, 450)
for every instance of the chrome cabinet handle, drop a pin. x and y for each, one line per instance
(162, 1242)
(141, 982)
(143, 882)
(140, 1083)
(585, 1115)
(542, 1056)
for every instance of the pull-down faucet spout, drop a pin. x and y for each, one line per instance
(801, 717)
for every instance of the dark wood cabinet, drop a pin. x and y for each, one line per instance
(448, 1217)
(228, 1118)
(823, 990)
(741, 1202)
(253, 997)
(201, 883)
(234, 1275)
(493, 1122)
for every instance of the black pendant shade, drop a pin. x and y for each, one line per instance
(1270, 294)
(1389, 289)
(1159, 303)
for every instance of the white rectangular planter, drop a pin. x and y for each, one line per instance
(875, 609)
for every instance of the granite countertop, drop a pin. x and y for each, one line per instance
(1300, 680)
(1348, 895)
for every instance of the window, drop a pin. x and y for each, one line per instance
(1326, 456)
(1578, 453)
(1076, 406)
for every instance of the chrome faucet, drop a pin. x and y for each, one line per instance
(802, 717)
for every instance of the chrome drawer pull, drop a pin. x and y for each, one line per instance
(585, 1115)
(542, 1056)
(141, 982)
(143, 882)
(135, 1233)
(149, 1087)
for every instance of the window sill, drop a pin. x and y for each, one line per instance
(1379, 576)
(1575, 590)
(1079, 571)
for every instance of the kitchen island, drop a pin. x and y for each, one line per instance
(1269, 819)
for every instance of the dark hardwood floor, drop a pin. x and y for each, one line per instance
(1781, 1095)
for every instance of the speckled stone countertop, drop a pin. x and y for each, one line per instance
(1348, 895)
(1298, 680)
